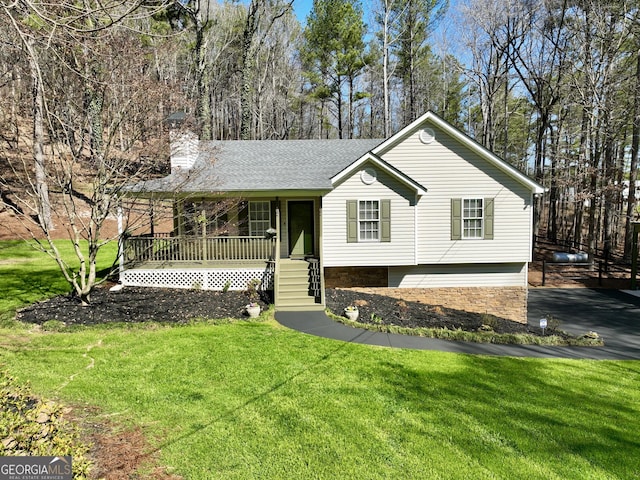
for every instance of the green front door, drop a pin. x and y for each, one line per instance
(301, 228)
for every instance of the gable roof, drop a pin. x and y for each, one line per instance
(465, 140)
(390, 169)
(304, 165)
(264, 165)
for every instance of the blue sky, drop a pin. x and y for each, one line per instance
(302, 9)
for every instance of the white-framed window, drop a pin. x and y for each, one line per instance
(259, 217)
(472, 217)
(368, 220)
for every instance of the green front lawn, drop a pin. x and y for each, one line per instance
(255, 400)
(28, 275)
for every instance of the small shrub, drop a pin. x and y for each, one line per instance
(402, 309)
(252, 291)
(553, 324)
(376, 319)
(32, 427)
(489, 320)
(227, 286)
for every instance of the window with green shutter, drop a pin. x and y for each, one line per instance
(472, 218)
(368, 221)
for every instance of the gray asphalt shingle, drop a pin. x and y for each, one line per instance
(255, 165)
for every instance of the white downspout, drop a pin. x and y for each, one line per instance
(416, 236)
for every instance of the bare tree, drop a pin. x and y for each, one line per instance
(94, 82)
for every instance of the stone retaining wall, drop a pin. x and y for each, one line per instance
(504, 302)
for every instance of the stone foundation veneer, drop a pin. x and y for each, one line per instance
(505, 302)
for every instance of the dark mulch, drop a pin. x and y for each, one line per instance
(382, 310)
(134, 304)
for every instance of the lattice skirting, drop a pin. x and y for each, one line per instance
(198, 278)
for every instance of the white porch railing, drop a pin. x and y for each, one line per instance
(197, 249)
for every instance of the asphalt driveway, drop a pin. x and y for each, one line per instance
(614, 314)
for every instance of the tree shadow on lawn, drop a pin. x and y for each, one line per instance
(547, 411)
(231, 412)
(24, 289)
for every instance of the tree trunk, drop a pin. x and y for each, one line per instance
(203, 101)
(385, 73)
(339, 102)
(633, 175)
(42, 187)
(250, 27)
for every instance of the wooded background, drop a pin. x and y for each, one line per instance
(551, 86)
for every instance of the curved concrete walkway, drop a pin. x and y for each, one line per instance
(614, 314)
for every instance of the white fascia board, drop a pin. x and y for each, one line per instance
(368, 157)
(467, 141)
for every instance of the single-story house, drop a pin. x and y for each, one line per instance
(427, 214)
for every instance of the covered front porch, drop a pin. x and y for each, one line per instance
(276, 241)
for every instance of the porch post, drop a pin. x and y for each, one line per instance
(321, 252)
(276, 256)
(152, 219)
(203, 219)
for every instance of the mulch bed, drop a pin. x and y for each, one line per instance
(382, 310)
(138, 305)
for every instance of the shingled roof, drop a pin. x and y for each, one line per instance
(264, 165)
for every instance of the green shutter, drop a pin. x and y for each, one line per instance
(488, 218)
(456, 218)
(385, 221)
(352, 221)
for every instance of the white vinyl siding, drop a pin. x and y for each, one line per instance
(394, 248)
(449, 170)
(465, 275)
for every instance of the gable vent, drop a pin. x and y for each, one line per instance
(427, 135)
